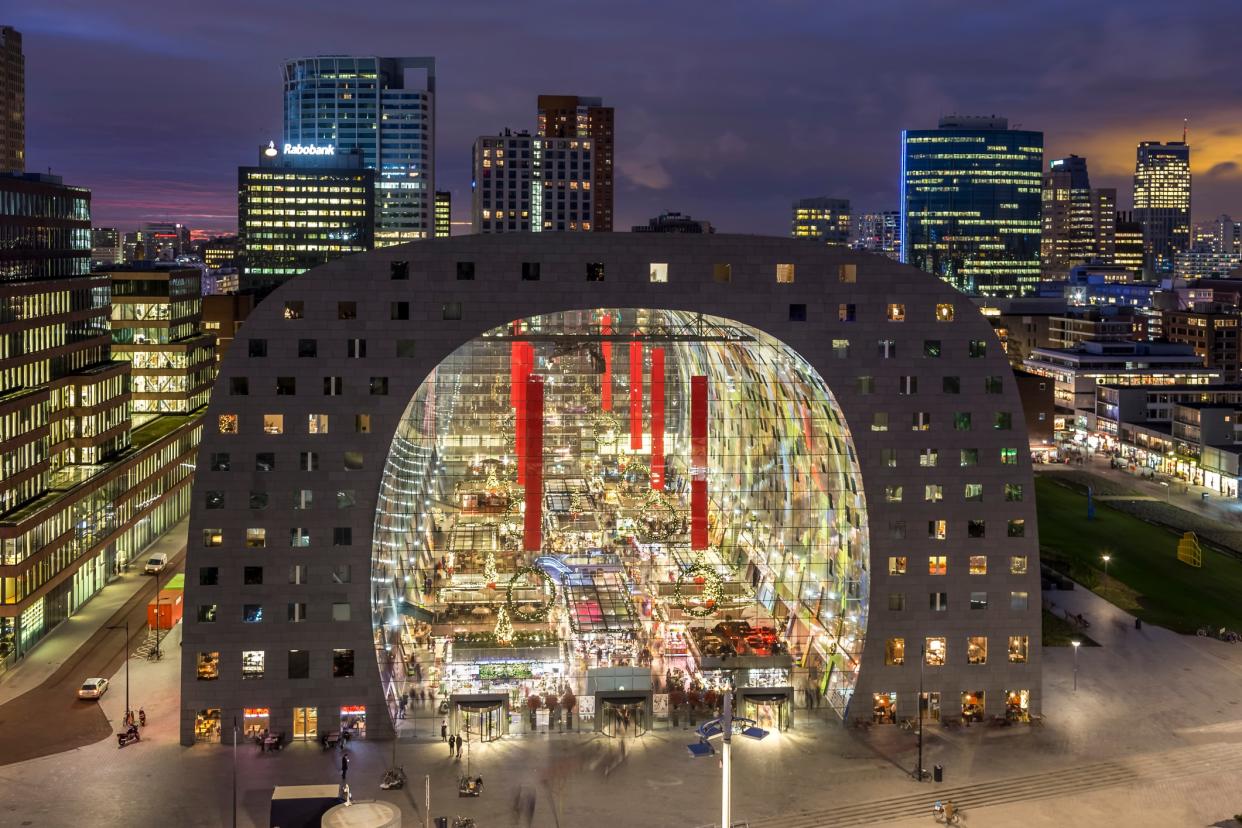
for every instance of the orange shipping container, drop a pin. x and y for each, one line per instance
(170, 607)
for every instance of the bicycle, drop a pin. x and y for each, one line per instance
(946, 813)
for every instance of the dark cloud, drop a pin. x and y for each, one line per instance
(725, 109)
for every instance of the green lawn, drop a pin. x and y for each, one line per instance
(1144, 575)
(1059, 633)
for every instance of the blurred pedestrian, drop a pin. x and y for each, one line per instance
(344, 765)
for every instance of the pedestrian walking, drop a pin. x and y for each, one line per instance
(452, 743)
(459, 740)
(344, 765)
(443, 729)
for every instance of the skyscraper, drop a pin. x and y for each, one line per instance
(970, 204)
(384, 107)
(572, 116)
(822, 219)
(444, 214)
(12, 102)
(879, 233)
(524, 183)
(106, 246)
(1128, 249)
(1078, 221)
(1162, 201)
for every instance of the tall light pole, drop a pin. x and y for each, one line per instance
(922, 660)
(124, 656)
(726, 763)
(1076, 644)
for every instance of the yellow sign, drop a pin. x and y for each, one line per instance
(1188, 550)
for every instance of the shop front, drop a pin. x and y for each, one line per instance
(207, 725)
(354, 721)
(622, 713)
(1018, 705)
(884, 708)
(973, 705)
(770, 707)
(256, 721)
(305, 724)
(930, 704)
(482, 717)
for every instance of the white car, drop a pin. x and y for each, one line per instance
(156, 564)
(93, 688)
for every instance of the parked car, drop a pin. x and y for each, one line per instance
(156, 563)
(93, 688)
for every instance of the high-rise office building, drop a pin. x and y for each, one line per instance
(1220, 235)
(822, 219)
(1162, 201)
(220, 253)
(106, 246)
(384, 107)
(573, 116)
(879, 233)
(444, 214)
(970, 204)
(297, 210)
(1079, 222)
(165, 240)
(12, 101)
(49, 227)
(1128, 245)
(524, 183)
(674, 223)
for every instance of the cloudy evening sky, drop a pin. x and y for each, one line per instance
(725, 110)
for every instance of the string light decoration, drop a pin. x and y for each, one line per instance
(489, 570)
(605, 427)
(661, 518)
(713, 589)
(532, 614)
(504, 627)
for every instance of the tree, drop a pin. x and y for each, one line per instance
(504, 627)
(490, 575)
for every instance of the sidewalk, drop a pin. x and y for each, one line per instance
(60, 645)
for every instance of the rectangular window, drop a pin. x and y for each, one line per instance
(978, 600)
(465, 271)
(353, 460)
(297, 613)
(209, 576)
(886, 348)
(937, 565)
(399, 270)
(784, 274)
(214, 499)
(379, 386)
(961, 421)
(976, 528)
(895, 652)
(933, 493)
(299, 538)
(951, 385)
(294, 310)
(1019, 648)
(1013, 492)
(405, 348)
(252, 613)
(362, 423)
(308, 461)
(907, 385)
(888, 458)
(340, 611)
(303, 499)
(341, 574)
(219, 461)
(252, 575)
(299, 661)
(342, 536)
(342, 663)
(896, 530)
(451, 312)
(297, 574)
(897, 602)
(286, 386)
(265, 461)
(944, 312)
(866, 385)
(258, 348)
(993, 385)
(239, 386)
(399, 311)
(973, 492)
(227, 423)
(928, 458)
(934, 652)
(968, 457)
(207, 613)
(1009, 456)
(658, 272)
(316, 423)
(879, 421)
(722, 274)
(892, 494)
(847, 273)
(256, 538)
(1018, 600)
(937, 529)
(841, 348)
(896, 312)
(978, 564)
(1017, 564)
(920, 421)
(897, 565)
(530, 272)
(333, 386)
(977, 649)
(1003, 421)
(258, 500)
(345, 498)
(308, 348)
(845, 313)
(595, 271)
(1017, 528)
(931, 348)
(273, 423)
(355, 348)
(209, 666)
(797, 312)
(978, 349)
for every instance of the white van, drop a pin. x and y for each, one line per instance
(156, 563)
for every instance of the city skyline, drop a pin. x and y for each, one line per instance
(709, 150)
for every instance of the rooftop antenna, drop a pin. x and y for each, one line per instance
(1185, 127)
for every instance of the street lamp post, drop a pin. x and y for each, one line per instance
(1076, 644)
(1107, 558)
(124, 656)
(922, 660)
(723, 727)
(158, 623)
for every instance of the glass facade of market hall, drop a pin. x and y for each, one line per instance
(622, 419)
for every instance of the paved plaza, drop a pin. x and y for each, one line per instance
(1152, 736)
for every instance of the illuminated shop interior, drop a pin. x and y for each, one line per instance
(582, 492)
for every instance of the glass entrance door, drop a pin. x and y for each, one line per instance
(306, 723)
(931, 706)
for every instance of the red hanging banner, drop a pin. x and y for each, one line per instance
(523, 357)
(605, 397)
(532, 535)
(698, 463)
(636, 395)
(657, 419)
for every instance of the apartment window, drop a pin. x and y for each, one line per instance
(342, 536)
(252, 575)
(297, 574)
(722, 274)
(866, 385)
(333, 386)
(1017, 564)
(451, 312)
(845, 312)
(978, 564)
(308, 348)
(993, 385)
(928, 458)
(1018, 600)
(896, 312)
(1019, 648)
(342, 663)
(933, 493)
(976, 528)
(931, 348)
(847, 273)
(294, 310)
(345, 498)
(892, 494)
(405, 348)
(213, 537)
(968, 457)
(399, 270)
(978, 349)
(362, 423)
(316, 423)
(973, 492)
(258, 347)
(252, 613)
(239, 386)
(341, 574)
(355, 348)
(208, 666)
(951, 385)
(920, 421)
(227, 423)
(296, 613)
(299, 664)
(299, 538)
(256, 538)
(937, 565)
(797, 312)
(887, 348)
(888, 458)
(841, 348)
(379, 386)
(1013, 492)
(220, 461)
(944, 312)
(595, 271)
(934, 652)
(265, 461)
(978, 600)
(308, 461)
(340, 611)
(961, 421)
(303, 499)
(258, 500)
(897, 565)
(465, 271)
(658, 272)
(977, 649)
(937, 529)
(286, 386)
(897, 602)
(1003, 421)
(399, 311)
(1009, 456)
(895, 652)
(784, 274)
(273, 423)
(209, 576)
(215, 499)
(879, 421)
(530, 272)
(207, 613)
(896, 530)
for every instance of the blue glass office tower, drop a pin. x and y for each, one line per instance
(970, 204)
(373, 104)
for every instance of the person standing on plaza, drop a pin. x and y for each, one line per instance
(344, 765)
(443, 730)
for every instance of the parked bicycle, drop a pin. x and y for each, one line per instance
(946, 813)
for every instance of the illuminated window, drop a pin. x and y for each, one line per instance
(1017, 564)
(944, 312)
(293, 310)
(978, 564)
(299, 538)
(968, 457)
(227, 423)
(841, 348)
(897, 565)
(929, 457)
(888, 458)
(213, 537)
(895, 652)
(784, 274)
(938, 601)
(722, 273)
(937, 529)
(252, 664)
(937, 565)
(866, 385)
(256, 538)
(845, 313)
(879, 421)
(978, 600)
(934, 652)
(847, 273)
(933, 493)
(920, 421)
(974, 492)
(1009, 456)
(362, 423)
(209, 666)
(303, 499)
(1013, 492)
(896, 313)
(978, 349)
(892, 494)
(931, 348)
(977, 649)
(1019, 648)
(273, 423)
